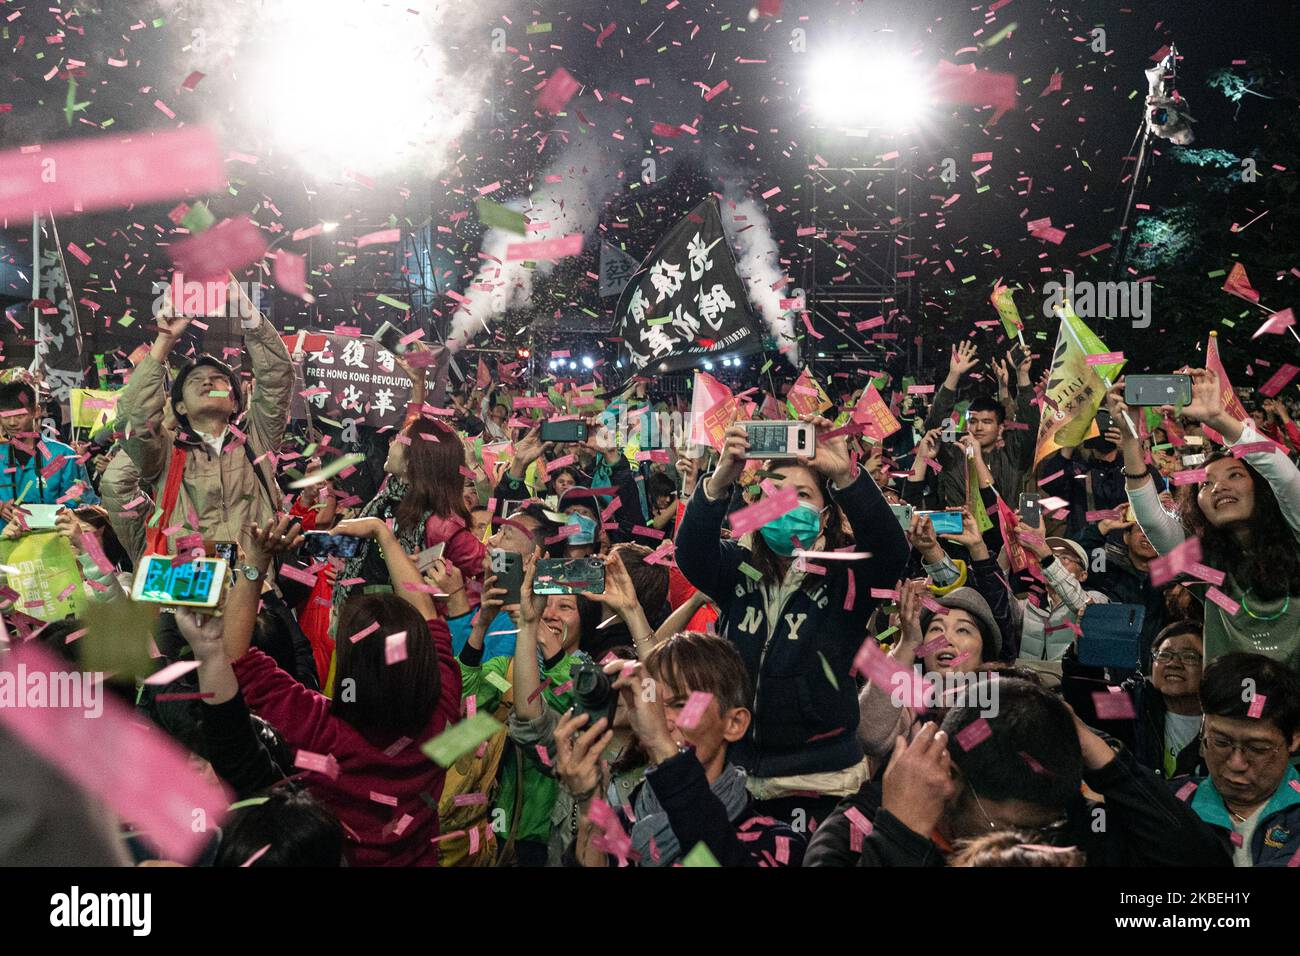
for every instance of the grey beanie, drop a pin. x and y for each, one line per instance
(973, 603)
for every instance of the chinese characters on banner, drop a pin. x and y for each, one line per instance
(345, 377)
(687, 301)
(58, 337)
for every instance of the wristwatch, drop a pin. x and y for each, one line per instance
(251, 573)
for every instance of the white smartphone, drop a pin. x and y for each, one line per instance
(780, 439)
(390, 337)
(194, 583)
(429, 555)
(41, 517)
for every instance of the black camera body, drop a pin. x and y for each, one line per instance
(593, 693)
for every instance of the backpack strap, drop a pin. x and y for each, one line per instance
(156, 542)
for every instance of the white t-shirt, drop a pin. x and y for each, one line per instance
(1246, 830)
(1180, 730)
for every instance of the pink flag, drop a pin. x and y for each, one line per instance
(1276, 324)
(1239, 284)
(86, 175)
(1231, 403)
(121, 760)
(226, 247)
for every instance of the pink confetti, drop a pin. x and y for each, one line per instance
(1113, 706)
(546, 249)
(395, 648)
(1256, 707)
(171, 672)
(226, 247)
(90, 175)
(559, 89)
(974, 734)
(690, 714)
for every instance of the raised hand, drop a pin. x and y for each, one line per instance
(282, 535)
(918, 781)
(577, 755)
(832, 457)
(735, 449)
(620, 595)
(921, 531)
(964, 358)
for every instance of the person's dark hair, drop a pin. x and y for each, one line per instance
(1013, 848)
(292, 826)
(550, 481)
(702, 662)
(770, 564)
(546, 528)
(17, 395)
(650, 581)
(1269, 563)
(433, 467)
(1178, 629)
(178, 387)
(1224, 683)
(659, 484)
(397, 699)
(985, 404)
(97, 518)
(1032, 752)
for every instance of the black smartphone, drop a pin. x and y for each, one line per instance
(509, 570)
(1031, 511)
(572, 430)
(569, 576)
(226, 550)
(1104, 422)
(322, 544)
(1147, 390)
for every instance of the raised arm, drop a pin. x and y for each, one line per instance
(268, 410)
(408, 583)
(708, 562)
(141, 404)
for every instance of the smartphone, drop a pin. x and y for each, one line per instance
(508, 508)
(1104, 422)
(227, 551)
(322, 544)
(41, 517)
(572, 430)
(569, 576)
(1031, 512)
(390, 337)
(904, 515)
(509, 570)
(194, 583)
(1158, 389)
(945, 522)
(780, 439)
(429, 555)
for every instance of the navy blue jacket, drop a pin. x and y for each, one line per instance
(803, 722)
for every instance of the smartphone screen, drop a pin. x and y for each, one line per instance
(322, 544)
(945, 522)
(194, 583)
(569, 576)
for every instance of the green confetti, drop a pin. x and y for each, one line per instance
(198, 218)
(886, 632)
(1217, 273)
(496, 216)
(250, 802)
(454, 742)
(666, 319)
(538, 28)
(330, 470)
(126, 320)
(700, 856)
(497, 681)
(751, 572)
(389, 300)
(826, 669)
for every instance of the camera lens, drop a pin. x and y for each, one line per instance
(802, 439)
(591, 686)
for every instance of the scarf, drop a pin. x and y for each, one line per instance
(652, 825)
(368, 564)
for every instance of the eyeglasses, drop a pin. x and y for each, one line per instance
(1251, 750)
(1187, 657)
(1047, 830)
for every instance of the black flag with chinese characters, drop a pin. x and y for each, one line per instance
(687, 301)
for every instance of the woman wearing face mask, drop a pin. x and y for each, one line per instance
(797, 629)
(1246, 514)
(422, 496)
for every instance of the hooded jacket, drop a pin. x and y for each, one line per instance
(224, 492)
(804, 722)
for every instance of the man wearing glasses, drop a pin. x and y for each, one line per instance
(1251, 728)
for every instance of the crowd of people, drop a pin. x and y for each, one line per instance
(1106, 674)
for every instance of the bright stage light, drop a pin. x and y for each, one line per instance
(587, 362)
(862, 88)
(342, 86)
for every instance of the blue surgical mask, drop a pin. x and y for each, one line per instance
(586, 533)
(803, 523)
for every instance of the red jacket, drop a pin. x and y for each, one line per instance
(305, 720)
(463, 550)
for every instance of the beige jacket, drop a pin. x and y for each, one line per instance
(222, 491)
